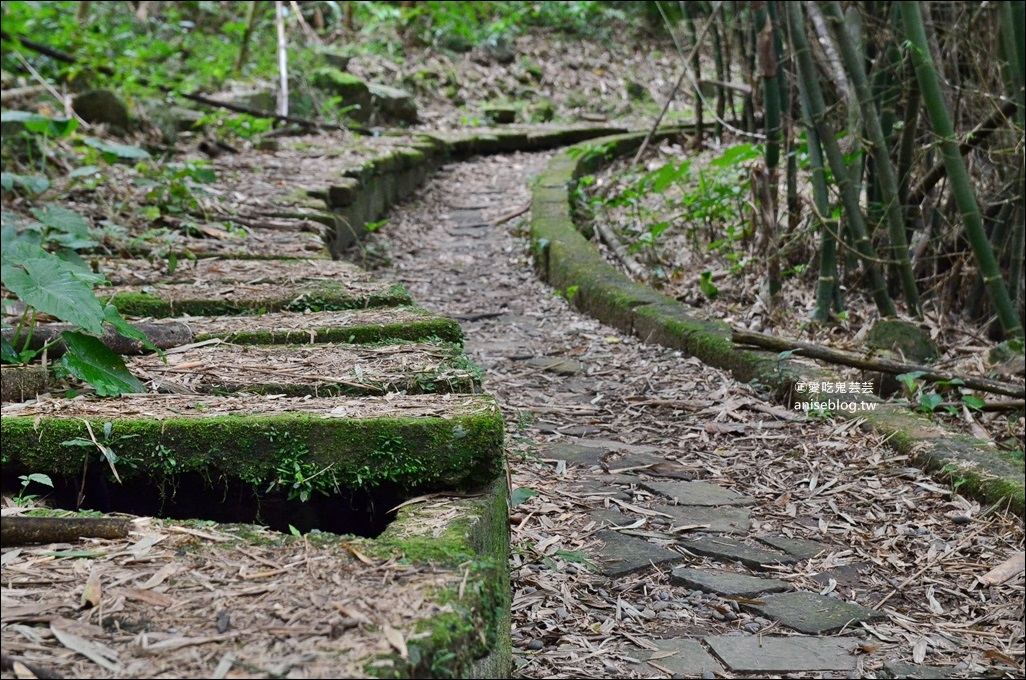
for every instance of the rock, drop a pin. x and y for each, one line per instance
(726, 583)
(102, 106)
(621, 555)
(637, 92)
(798, 547)
(770, 654)
(904, 339)
(185, 120)
(728, 520)
(681, 657)
(352, 90)
(727, 549)
(1008, 360)
(335, 59)
(259, 99)
(698, 493)
(543, 111)
(500, 115)
(393, 104)
(813, 613)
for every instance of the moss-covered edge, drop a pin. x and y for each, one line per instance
(366, 192)
(568, 262)
(472, 638)
(424, 454)
(414, 330)
(319, 296)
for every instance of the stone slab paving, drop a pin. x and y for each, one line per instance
(712, 520)
(801, 548)
(698, 493)
(621, 555)
(727, 549)
(812, 613)
(681, 657)
(766, 654)
(726, 583)
(573, 454)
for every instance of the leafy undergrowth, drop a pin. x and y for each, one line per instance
(687, 219)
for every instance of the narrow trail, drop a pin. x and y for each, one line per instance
(607, 430)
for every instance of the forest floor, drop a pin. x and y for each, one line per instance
(597, 419)
(587, 432)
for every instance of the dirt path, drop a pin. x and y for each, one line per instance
(601, 426)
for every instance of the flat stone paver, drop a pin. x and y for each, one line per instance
(729, 520)
(572, 453)
(722, 548)
(683, 657)
(726, 583)
(915, 672)
(698, 493)
(766, 654)
(812, 613)
(801, 548)
(621, 555)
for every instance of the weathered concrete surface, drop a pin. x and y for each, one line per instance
(729, 550)
(813, 613)
(698, 493)
(726, 583)
(766, 654)
(682, 657)
(621, 555)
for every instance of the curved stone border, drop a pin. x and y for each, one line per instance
(365, 193)
(570, 263)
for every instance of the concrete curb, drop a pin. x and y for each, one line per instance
(364, 194)
(570, 263)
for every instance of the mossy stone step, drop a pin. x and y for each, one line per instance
(385, 324)
(137, 272)
(422, 442)
(161, 300)
(317, 370)
(437, 577)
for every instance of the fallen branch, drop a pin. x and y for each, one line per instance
(163, 335)
(21, 530)
(24, 669)
(836, 356)
(609, 238)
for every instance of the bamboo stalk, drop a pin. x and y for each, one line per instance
(961, 185)
(809, 84)
(878, 148)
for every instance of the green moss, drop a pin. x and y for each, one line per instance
(438, 327)
(459, 452)
(319, 296)
(472, 638)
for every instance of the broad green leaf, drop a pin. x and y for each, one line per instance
(34, 184)
(520, 495)
(38, 478)
(112, 316)
(972, 401)
(707, 286)
(11, 237)
(8, 354)
(74, 229)
(52, 286)
(123, 151)
(90, 360)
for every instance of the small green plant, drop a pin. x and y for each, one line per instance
(23, 500)
(105, 444)
(293, 472)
